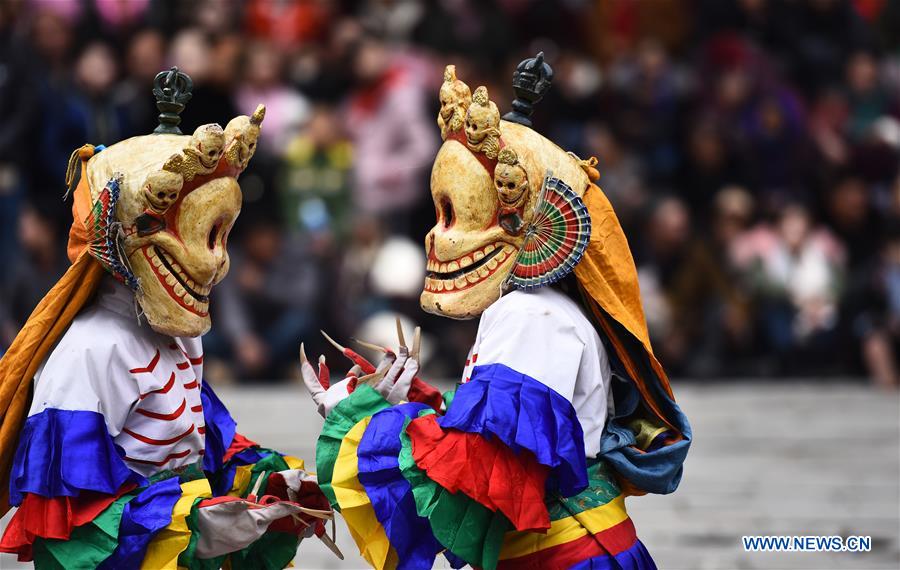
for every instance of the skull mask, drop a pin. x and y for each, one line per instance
(469, 253)
(181, 259)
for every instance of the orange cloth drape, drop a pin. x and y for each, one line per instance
(608, 275)
(44, 327)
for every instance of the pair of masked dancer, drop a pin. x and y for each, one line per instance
(117, 453)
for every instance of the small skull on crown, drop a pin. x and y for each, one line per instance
(455, 98)
(511, 183)
(201, 155)
(510, 179)
(483, 124)
(161, 189)
(243, 131)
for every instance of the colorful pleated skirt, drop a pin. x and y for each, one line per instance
(591, 530)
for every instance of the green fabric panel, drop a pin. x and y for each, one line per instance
(208, 563)
(602, 488)
(89, 544)
(464, 526)
(43, 560)
(448, 398)
(273, 551)
(269, 464)
(362, 403)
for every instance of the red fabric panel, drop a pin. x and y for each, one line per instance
(613, 540)
(52, 518)
(238, 444)
(484, 469)
(308, 495)
(424, 393)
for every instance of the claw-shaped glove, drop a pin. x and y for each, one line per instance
(394, 385)
(325, 395)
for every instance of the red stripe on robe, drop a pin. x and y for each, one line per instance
(484, 469)
(611, 541)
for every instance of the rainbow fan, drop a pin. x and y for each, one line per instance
(555, 239)
(103, 239)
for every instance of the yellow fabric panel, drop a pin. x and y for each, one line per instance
(44, 327)
(565, 530)
(241, 481)
(293, 462)
(367, 532)
(163, 551)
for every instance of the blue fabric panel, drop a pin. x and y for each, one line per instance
(524, 414)
(220, 429)
(64, 452)
(390, 493)
(144, 516)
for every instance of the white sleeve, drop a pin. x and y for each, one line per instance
(534, 338)
(86, 372)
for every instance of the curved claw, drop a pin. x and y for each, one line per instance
(373, 378)
(400, 334)
(372, 346)
(417, 344)
(303, 359)
(333, 342)
(329, 541)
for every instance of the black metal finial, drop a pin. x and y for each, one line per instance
(172, 90)
(531, 80)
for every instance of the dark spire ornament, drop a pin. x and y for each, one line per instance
(172, 90)
(531, 80)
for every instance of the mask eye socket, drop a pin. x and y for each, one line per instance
(211, 238)
(447, 213)
(510, 185)
(160, 195)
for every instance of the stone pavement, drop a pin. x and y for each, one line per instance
(769, 458)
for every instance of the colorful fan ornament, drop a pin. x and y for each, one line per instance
(103, 241)
(555, 239)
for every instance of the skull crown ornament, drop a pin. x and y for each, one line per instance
(485, 183)
(176, 201)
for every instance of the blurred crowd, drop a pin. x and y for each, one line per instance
(750, 147)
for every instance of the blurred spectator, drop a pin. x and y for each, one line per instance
(18, 113)
(796, 270)
(95, 75)
(267, 303)
(286, 110)
(315, 179)
(622, 177)
(866, 97)
(41, 263)
(393, 138)
(711, 162)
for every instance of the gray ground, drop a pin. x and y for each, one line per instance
(767, 459)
